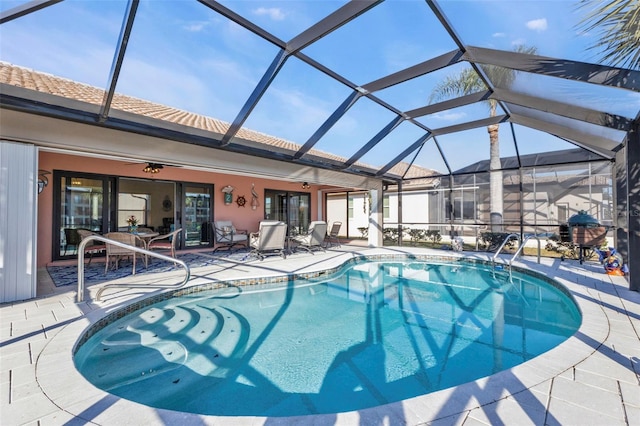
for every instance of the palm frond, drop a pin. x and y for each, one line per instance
(463, 83)
(617, 24)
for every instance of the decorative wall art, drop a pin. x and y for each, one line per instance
(228, 194)
(241, 201)
(166, 203)
(254, 198)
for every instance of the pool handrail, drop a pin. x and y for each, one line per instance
(504, 242)
(86, 240)
(522, 247)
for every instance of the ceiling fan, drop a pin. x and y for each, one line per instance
(153, 168)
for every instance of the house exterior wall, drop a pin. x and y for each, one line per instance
(337, 211)
(360, 213)
(243, 217)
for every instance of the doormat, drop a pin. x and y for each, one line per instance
(94, 273)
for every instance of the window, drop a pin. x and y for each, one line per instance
(464, 206)
(385, 207)
(350, 208)
(563, 212)
(132, 205)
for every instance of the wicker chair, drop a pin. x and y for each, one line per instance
(71, 238)
(115, 253)
(314, 237)
(92, 247)
(165, 242)
(144, 230)
(270, 237)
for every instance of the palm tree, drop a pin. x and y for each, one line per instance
(468, 82)
(618, 24)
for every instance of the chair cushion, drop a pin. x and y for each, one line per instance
(95, 248)
(161, 244)
(302, 239)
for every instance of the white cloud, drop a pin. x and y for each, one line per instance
(497, 35)
(537, 24)
(452, 116)
(196, 26)
(272, 12)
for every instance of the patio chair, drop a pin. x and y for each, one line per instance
(165, 242)
(71, 238)
(271, 237)
(144, 230)
(227, 236)
(332, 236)
(115, 253)
(94, 246)
(314, 237)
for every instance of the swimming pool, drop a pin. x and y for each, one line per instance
(370, 333)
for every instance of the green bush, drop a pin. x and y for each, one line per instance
(493, 240)
(434, 236)
(416, 235)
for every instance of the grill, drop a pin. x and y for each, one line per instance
(586, 232)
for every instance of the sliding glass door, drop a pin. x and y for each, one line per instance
(197, 211)
(293, 208)
(81, 202)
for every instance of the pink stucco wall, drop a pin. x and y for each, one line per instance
(243, 217)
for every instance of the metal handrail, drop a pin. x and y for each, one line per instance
(506, 240)
(520, 250)
(522, 246)
(493, 259)
(135, 249)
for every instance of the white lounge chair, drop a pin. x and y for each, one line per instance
(271, 237)
(314, 237)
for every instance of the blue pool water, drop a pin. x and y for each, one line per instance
(375, 333)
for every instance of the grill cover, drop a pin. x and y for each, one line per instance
(585, 230)
(583, 219)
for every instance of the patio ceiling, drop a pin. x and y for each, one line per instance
(572, 103)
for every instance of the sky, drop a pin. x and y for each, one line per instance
(184, 55)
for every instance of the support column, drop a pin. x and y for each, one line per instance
(400, 220)
(18, 219)
(375, 236)
(627, 196)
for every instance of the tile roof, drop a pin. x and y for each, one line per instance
(58, 86)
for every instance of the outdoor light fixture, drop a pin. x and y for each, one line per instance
(305, 185)
(43, 181)
(152, 168)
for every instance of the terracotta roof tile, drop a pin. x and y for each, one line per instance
(58, 86)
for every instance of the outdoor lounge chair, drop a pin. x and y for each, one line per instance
(115, 253)
(314, 237)
(92, 247)
(332, 236)
(227, 236)
(271, 237)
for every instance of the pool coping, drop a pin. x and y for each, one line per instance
(56, 374)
